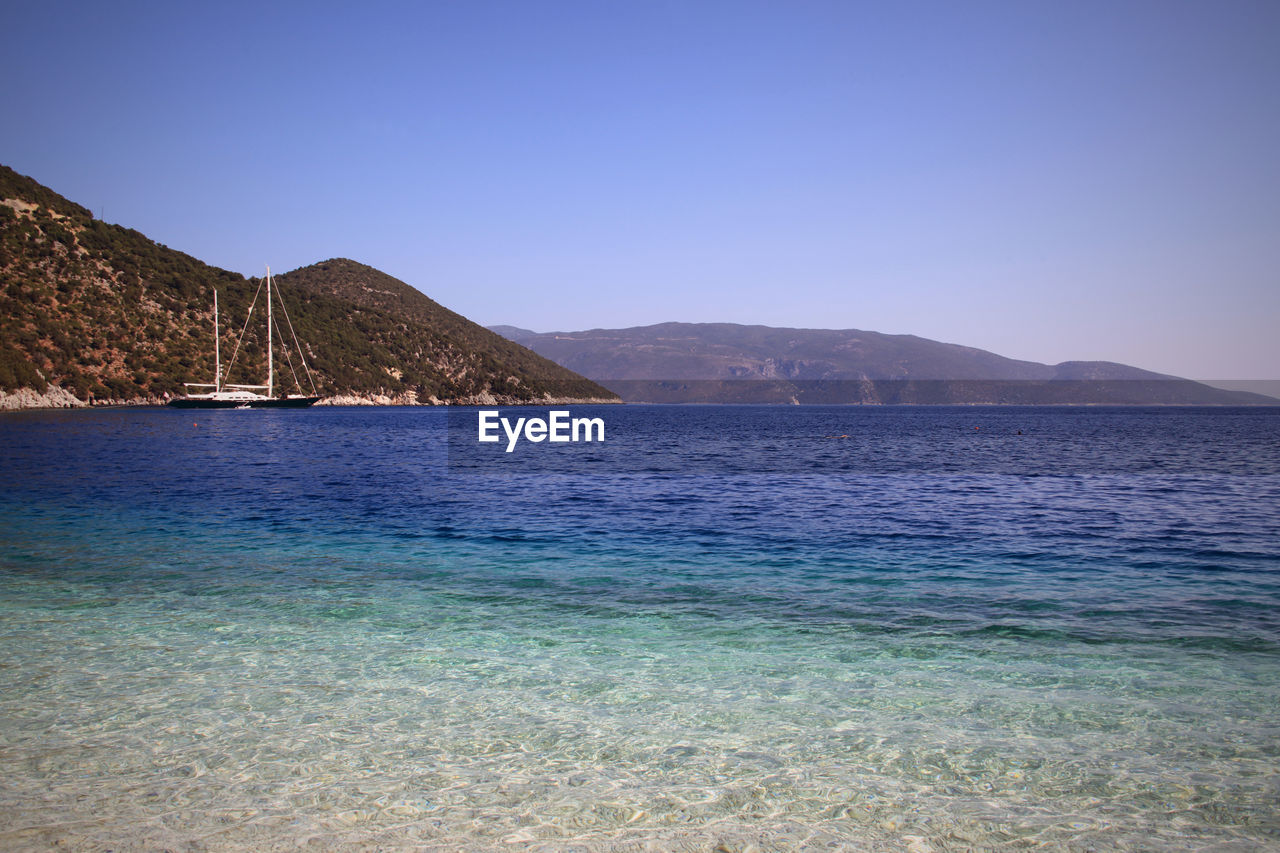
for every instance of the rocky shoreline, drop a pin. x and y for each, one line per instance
(59, 398)
(29, 398)
(485, 399)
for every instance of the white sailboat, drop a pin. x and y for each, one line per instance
(228, 396)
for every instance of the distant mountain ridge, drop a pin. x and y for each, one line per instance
(727, 362)
(96, 312)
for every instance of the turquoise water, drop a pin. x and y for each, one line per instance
(725, 627)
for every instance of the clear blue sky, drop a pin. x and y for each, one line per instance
(1048, 180)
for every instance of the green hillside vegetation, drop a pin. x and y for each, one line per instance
(395, 318)
(109, 315)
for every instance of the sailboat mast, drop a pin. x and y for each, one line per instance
(217, 350)
(270, 371)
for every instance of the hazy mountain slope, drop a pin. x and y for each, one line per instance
(729, 351)
(107, 314)
(707, 362)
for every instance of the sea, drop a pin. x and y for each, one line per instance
(726, 628)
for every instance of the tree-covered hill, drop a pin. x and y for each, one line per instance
(108, 315)
(394, 317)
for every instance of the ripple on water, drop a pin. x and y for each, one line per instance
(871, 657)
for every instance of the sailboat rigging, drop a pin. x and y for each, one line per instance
(228, 396)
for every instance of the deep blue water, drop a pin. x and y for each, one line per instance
(780, 626)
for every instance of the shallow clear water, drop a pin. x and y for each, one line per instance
(725, 626)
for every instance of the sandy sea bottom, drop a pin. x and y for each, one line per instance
(204, 709)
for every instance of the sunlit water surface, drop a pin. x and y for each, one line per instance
(729, 628)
